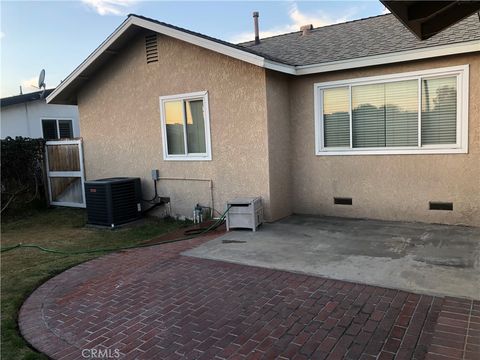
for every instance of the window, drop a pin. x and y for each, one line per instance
(185, 126)
(409, 113)
(57, 129)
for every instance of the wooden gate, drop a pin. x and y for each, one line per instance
(65, 172)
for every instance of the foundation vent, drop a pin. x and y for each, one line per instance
(342, 201)
(448, 206)
(151, 48)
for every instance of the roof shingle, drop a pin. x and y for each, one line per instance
(372, 36)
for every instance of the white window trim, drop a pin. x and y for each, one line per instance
(461, 146)
(206, 115)
(57, 123)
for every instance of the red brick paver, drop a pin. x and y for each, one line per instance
(155, 303)
(457, 332)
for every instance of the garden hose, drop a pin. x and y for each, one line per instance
(212, 227)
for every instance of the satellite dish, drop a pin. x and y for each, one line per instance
(41, 79)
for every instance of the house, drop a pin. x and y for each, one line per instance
(359, 119)
(29, 115)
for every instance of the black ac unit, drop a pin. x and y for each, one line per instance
(113, 201)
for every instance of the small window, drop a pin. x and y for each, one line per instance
(185, 126)
(49, 128)
(57, 129)
(408, 113)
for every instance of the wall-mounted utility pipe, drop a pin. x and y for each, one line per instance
(196, 179)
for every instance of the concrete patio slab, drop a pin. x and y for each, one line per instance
(423, 258)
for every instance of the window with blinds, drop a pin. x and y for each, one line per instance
(418, 111)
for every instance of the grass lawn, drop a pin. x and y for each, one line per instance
(23, 270)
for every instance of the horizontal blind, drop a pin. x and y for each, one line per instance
(401, 115)
(439, 111)
(368, 115)
(336, 117)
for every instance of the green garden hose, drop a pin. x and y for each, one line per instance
(91, 251)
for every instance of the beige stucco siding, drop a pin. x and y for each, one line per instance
(279, 144)
(393, 187)
(120, 123)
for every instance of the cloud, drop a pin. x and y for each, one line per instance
(385, 11)
(30, 85)
(297, 19)
(110, 7)
(2, 34)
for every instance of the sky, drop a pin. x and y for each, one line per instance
(58, 35)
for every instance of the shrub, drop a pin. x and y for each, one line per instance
(22, 178)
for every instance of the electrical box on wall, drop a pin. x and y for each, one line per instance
(155, 174)
(245, 213)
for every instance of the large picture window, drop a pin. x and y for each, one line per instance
(409, 113)
(185, 126)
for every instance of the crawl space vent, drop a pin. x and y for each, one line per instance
(342, 201)
(151, 48)
(448, 206)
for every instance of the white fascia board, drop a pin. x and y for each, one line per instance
(261, 61)
(214, 46)
(94, 55)
(287, 69)
(409, 55)
(177, 34)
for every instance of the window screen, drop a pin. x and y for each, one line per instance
(439, 111)
(65, 129)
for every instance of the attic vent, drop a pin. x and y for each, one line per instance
(342, 201)
(151, 48)
(441, 206)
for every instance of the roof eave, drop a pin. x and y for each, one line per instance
(133, 20)
(390, 58)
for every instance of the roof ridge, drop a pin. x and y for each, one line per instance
(208, 37)
(317, 28)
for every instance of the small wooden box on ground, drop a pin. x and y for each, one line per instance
(245, 213)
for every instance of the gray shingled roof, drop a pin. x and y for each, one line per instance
(366, 37)
(19, 99)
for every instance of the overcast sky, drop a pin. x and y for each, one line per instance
(59, 35)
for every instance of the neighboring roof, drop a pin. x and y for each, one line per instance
(377, 35)
(372, 41)
(427, 18)
(19, 99)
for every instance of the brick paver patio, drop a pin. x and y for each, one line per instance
(154, 303)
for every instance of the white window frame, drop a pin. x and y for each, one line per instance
(57, 119)
(461, 145)
(203, 95)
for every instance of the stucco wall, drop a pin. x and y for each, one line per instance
(26, 119)
(279, 144)
(393, 187)
(120, 123)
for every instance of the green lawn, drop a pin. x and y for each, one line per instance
(22, 270)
